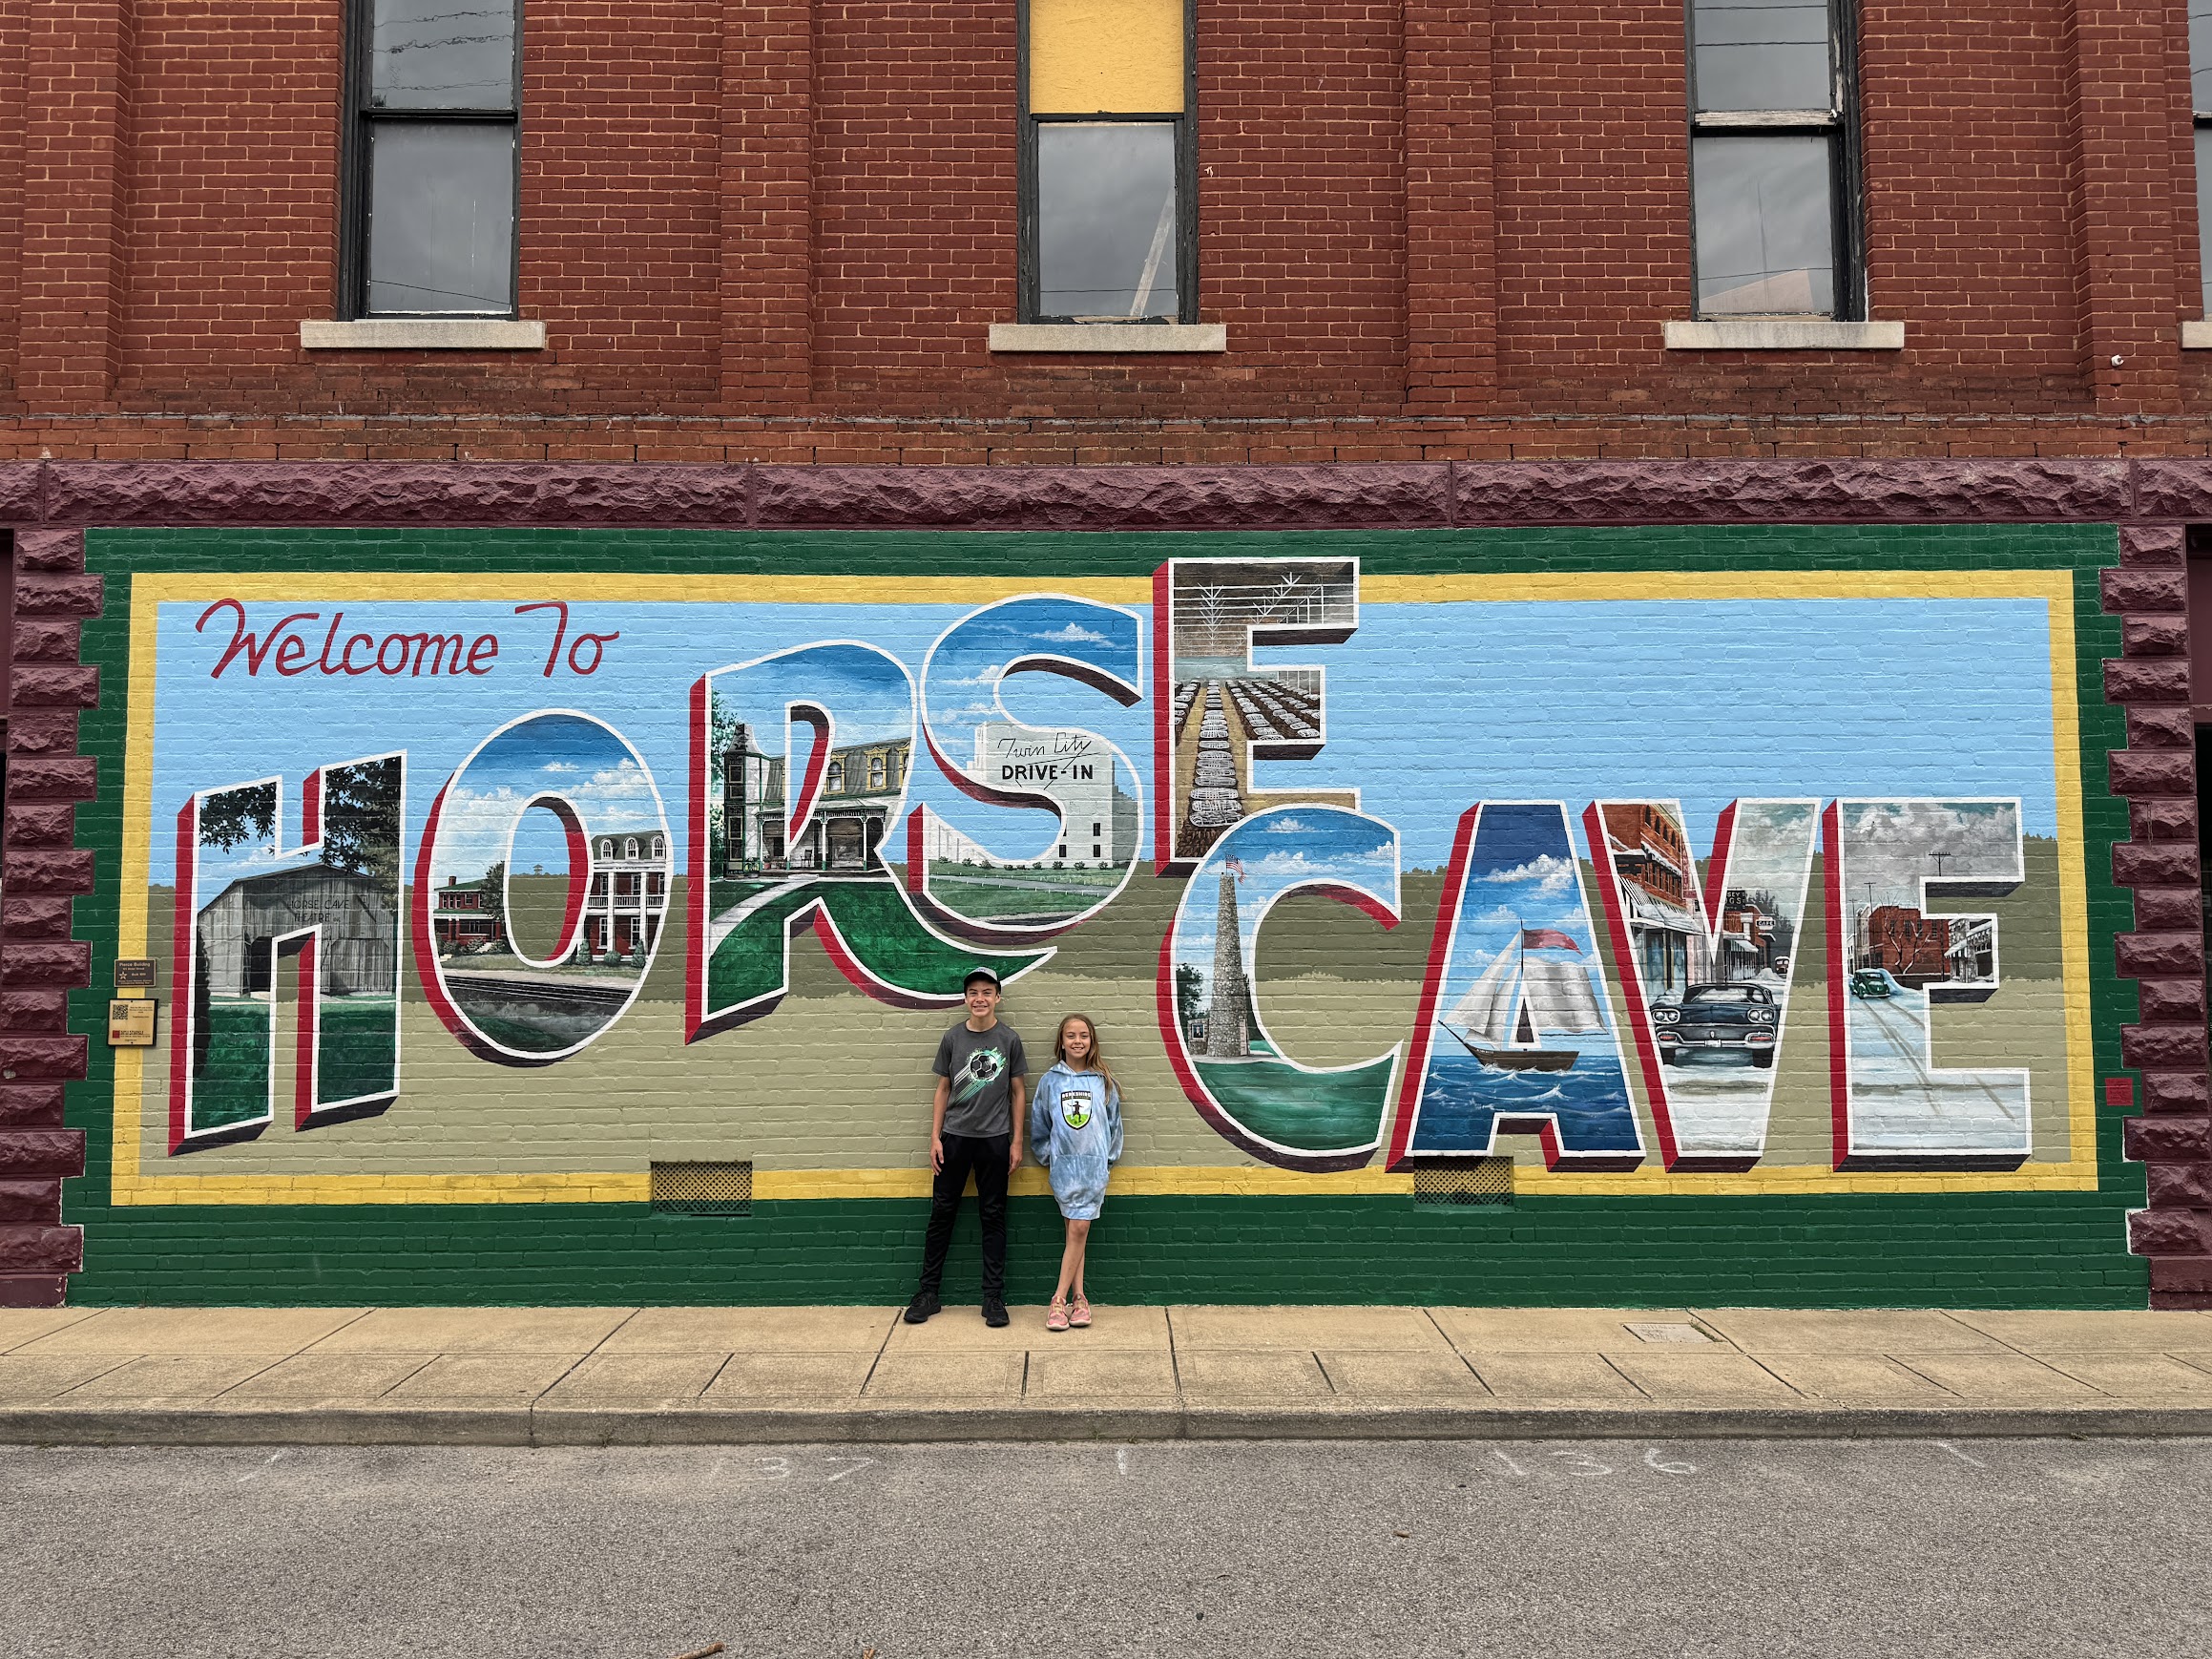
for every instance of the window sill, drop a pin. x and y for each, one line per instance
(1123, 337)
(423, 334)
(1785, 334)
(2197, 336)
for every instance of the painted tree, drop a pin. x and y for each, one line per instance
(361, 817)
(495, 900)
(1190, 992)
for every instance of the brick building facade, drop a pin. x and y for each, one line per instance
(767, 245)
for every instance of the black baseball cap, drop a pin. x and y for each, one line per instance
(975, 974)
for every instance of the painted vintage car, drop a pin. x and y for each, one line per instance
(1873, 983)
(1718, 1019)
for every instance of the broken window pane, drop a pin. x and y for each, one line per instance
(1765, 224)
(1762, 54)
(1106, 221)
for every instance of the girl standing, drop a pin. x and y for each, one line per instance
(1075, 1132)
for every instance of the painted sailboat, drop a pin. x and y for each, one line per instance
(1521, 1000)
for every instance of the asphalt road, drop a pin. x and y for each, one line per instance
(1767, 1549)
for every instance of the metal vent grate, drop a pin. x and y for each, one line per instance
(703, 1189)
(1464, 1181)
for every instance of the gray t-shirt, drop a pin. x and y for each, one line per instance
(982, 1065)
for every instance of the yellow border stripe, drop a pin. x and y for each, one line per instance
(131, 1185)
(351, 587)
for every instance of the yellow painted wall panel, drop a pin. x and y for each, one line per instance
(1106, 56)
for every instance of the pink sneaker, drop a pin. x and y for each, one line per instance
(1057, 1317)
(1079, 1315)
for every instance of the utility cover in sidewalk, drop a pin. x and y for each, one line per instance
(1649, 1333)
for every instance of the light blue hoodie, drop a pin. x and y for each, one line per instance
(1075, 1132)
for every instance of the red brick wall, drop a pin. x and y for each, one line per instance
(13, 28)
(232, 221)
(1302, 213)
(913, 196)
(1969, 235)
(774, 230)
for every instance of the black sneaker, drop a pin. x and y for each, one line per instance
(924, 1304)
(995, 1312)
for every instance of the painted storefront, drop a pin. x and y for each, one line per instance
(1624, 915)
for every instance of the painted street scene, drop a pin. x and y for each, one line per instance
(1711, 962)
(1901, 868)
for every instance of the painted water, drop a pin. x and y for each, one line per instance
(1464, 1098)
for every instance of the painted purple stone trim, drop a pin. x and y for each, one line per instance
(1314, 498)
(1508, 492)
(1317, 496)
(386, 493)
(2172, 490)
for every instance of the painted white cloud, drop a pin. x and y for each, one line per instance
(1075, 634)
(1281, 868)
(1552, 876)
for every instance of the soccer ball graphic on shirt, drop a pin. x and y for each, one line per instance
(983, 1069)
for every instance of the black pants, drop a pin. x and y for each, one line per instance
(985, 1156)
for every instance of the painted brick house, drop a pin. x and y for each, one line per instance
(646, 349)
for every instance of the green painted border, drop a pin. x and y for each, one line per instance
(1849, 1250)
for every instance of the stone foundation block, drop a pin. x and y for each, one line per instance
(2146, 679)
(2163, 1139)
(2160, 956)
(2145, 588)
(2152, 772)
(2167, 1047)
(2170, 1233)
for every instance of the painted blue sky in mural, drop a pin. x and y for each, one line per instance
(869, 698)
(217, 866)
(1430, 707)
(965, 672)
(1521, 876)
(552, 754)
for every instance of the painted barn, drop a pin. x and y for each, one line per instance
(357, 956)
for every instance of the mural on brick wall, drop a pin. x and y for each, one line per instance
(1707, 972)
(1085, 786)
(521, 888)
(1515, 1034)
(793, 833)
(332, 904)
(496, 994)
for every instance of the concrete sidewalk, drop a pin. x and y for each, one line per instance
(593, 1375)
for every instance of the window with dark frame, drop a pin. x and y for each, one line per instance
(2201, 108)
(1107, 163)
(1774, 160)
(435, 91)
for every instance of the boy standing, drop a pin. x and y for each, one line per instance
(976, 1126)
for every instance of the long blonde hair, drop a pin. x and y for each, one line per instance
(1097, 1059)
